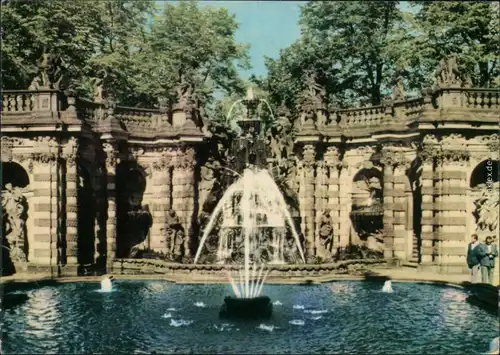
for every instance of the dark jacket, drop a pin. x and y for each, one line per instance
(472, 255)
(484, 259)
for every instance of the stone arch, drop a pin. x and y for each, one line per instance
(14, 174)
(483, 200)
(367, 207)
(15, 180)
(133, 218)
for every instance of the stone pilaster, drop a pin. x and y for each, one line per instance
(320, 197)
(427, 217)
(161, 181)
(306, 195)
(112, 160)
(44, 248)
(395, 205)
(400, 208)
(451, 210)
(388, 218)
(183, 193)
(70, 191)
(332, 163)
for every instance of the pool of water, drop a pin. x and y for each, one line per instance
(348, 317)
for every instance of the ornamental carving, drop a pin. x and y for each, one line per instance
(430, 139)
(452, 156)
(454, 141)
(70, 151)
(332, 157)
(186, 160)
(162, 164)
(112, 155)
(492, 142)
(308, 156)
(447, 73)
(15, 214)
(394, 158)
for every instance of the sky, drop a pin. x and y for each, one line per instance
(267, 26)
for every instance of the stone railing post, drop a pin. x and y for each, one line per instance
(112, 160)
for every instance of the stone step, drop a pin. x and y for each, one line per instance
(411, 264)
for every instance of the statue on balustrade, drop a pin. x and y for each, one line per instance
(280, 136)
(447, 72)
(15, 213)
(487, 206)
(99, 84)
(398, 89)
(50, 72)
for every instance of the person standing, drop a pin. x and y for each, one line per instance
(473, 258)
(487, 253)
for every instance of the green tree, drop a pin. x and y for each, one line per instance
(195, 45)
(349, 46)
(469, 29)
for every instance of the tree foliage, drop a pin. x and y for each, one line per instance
(143, 59)
(357, 49)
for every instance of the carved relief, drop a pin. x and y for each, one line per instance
(487, 205)
(394, 158)
(308, 156)
(332, 157)
(15, 208)
(112, 155)
(70, 151)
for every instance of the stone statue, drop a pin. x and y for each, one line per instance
(398, 92)
(325, 233)
(50, 72)
(280, 138)
(315, 92)
(447, 72)
(178, 247)
(173, 226)
(15, 207)
(99, 84)
(487, 208)
(185, 92)
(291, 253)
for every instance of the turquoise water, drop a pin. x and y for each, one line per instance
(343, 317)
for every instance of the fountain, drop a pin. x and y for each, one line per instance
(387, 288)
(107, 284)
(253, 220)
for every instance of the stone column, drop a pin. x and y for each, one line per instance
(451, 211)
(183, 193)
(161, 182)
(45, 212)
(400, 208)
(112, 160)
(388, 218)
(321, 198)
(333, 193)
(306, 195)
(71, 202)
(427, 217)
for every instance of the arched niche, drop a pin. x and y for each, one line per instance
(367, 205)
(133, 218)
(86, 218)
(14, 217)
(484, 195)
(14, 174)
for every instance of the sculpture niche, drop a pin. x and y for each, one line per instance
(15, 214)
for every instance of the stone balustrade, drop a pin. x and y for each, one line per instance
(21, 102)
